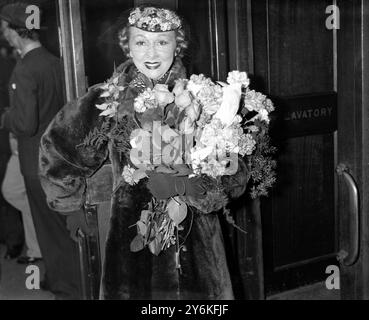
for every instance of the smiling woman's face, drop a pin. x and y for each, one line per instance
(152, 52)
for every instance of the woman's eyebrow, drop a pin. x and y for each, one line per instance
(166, 37)
(139, 36)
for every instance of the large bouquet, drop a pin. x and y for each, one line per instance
(191, 143)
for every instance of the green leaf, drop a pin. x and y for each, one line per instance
(137, 243)
(177, 210)
(180, 186)
(164, 169)
(145, 215)
(182, 170)
(142, 228)
(155, 246)
(152, 231)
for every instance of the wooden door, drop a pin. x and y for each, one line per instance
(294, 63)
(318, 77)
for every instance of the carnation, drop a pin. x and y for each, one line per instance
(264, 116)
(237, 77)
(146, 100)
(247, 145)
(254, 101)
(162, 95)
(197, 82)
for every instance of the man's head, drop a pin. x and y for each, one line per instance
(13, 18)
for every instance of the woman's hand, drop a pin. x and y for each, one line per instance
(164, 186)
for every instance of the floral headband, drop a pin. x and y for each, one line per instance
(154, 19)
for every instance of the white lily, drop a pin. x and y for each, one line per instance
(230, 105)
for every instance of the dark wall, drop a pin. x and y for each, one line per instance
(102, 51)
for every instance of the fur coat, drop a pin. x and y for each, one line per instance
(64, 168)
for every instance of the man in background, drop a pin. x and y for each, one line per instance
(14, 192)
(11, 231)
(36, 95)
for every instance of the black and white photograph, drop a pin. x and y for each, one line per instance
(199, 151)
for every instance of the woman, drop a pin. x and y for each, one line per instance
(154, 41)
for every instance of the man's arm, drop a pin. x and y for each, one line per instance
(22, 116)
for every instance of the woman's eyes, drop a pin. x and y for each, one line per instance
(161, 43)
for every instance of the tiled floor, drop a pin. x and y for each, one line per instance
(316, 291)
(13, 281)
(13, 287)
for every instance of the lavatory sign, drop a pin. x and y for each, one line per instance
(307, 114)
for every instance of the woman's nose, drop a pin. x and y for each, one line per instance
(151, 52)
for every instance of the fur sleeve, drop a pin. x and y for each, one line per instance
(63, 163)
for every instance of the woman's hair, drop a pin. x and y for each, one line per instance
(182, 43)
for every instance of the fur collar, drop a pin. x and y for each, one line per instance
(136, 82)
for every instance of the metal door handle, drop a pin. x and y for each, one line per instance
(349, 258)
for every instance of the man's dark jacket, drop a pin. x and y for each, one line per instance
(36, 95)
(6, 69)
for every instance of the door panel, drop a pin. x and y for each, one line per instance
(301, 209)
(295, 56)
(300, 47)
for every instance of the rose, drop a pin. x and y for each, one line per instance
(179, 87)
(210, 109)
(193, 112)
(162, 95)
(183, 99)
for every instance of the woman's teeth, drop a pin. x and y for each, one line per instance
(152, 65)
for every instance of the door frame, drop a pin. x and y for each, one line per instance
(71, 48)
(353, 143)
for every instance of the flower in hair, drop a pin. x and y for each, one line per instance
(154, 19)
